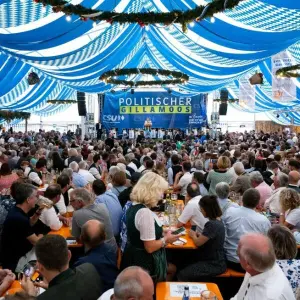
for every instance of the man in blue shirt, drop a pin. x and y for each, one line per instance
(78, 180)
(101, 255)
(112, 203)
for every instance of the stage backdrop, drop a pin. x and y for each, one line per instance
(163, 109)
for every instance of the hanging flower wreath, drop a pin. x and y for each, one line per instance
(292, 71)
(179, 78)
(8, 115)
(143, 18)
(58, 102)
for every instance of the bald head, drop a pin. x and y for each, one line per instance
(256, 253)
(133, 283)
(294, 177)
(93, 233)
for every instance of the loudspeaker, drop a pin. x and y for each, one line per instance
(223, 109)
(81, 104)
(224, 95)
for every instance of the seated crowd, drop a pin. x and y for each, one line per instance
(241, 199)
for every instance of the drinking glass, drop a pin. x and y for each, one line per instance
(208, 295)
(174, 197)
(179, 209)
(167, 207)
(70, 223)
(172, 221)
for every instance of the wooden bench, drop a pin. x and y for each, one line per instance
(119, 259)
(225, 274)
(236, 274)
(231, 273)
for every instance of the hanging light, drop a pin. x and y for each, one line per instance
(68, 18)
(212, 19)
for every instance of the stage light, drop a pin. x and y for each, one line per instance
(212, 19)
(192, 24)
(94, 24)
(132, 91)
(113, 91)
(147, 28)
(277, 116)
(68, 18)
(169, 91)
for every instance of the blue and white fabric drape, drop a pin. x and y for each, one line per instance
(70, 56)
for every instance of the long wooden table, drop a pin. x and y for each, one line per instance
(190, 245)
(65, 232)
(163, 290)
(14, 288)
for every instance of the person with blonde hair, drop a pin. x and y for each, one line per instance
(290, 210)
(285, 248)
(221, 174)
(146, 242)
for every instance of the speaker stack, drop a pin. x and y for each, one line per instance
(81, 104)
(223, 104)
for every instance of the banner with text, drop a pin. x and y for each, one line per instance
(283, 88)
(163, 109)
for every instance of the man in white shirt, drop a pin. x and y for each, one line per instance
(132, 283)
(50, 215)
(264, 278)
(143, 166)
(192, 211)
(85, 173)
(95, 168)
(242, 220)
(182, 181)
(295, 138)
(273, 202)
(37, 175)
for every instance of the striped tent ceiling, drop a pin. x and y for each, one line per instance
(71, 55)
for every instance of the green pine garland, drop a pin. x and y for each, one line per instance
(179, 77)
(61, 101)
(288, 71)
(144, 18)
(9, 115)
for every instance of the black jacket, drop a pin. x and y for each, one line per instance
(82, 283)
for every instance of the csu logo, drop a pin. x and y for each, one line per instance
(113, 118)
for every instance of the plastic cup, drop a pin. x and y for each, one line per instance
(208, 295)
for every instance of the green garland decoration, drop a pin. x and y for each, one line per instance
(61, 101)
(9, 115)
(229, 100)
(179, 77)
(288, 71)
(143, 18)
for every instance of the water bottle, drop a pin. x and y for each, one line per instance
(186, 293)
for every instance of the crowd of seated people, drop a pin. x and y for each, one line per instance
(240, 193)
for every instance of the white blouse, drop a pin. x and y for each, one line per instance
(145, 223)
